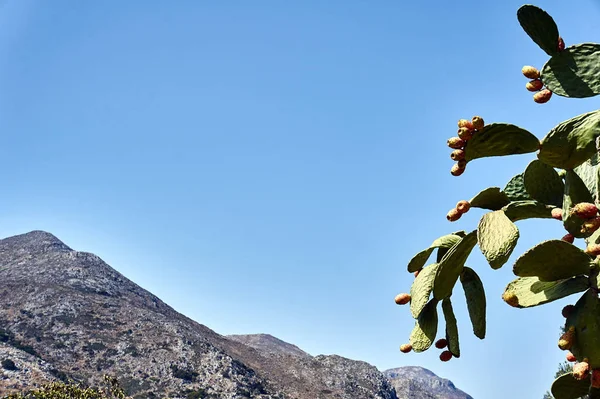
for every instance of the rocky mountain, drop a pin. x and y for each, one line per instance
(420, 383)
(66, 314)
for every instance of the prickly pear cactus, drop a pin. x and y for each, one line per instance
(563, 183)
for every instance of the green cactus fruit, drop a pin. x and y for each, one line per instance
(596, 378)
(465, 134)
(453, 215)
(451, 328)
(463, 123)
(530, 72)
(585, 210)
(567, 387)
(515, 189)
(500, 139)
(425, 330)
(571, 357)
(530, 291)
(445, 356)
(567, 340)
(572, 142)
(476, 301)
(463, 206)
(573, 72)
(457, 155)
(540, 27)
(543, 184)
(456, 170)
(497, 236)
(490, 198)
(446, 242)
(567, 310)
(520, 210)
(405, 348)
(402, 299)
(456, 143)
(581, 370)
(557, 213)
(441, 343)
(478, 123)
(593, 249)
(542, 96)
(452, 265)
(534, 85)
(553, 260)
(570, 238)
(561, 44)
(421, 288)
(591, 225)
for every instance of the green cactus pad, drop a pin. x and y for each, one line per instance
(497, 237)
(567, 387)
(589, 172)
(490, 198)
(419, 260)
(520, 210)
(515, 189)
(476, 302)
(576, 192)
(451, 266)
(553, 260)
(572, 142)
(421, 289)
(574, 71)
(540, 27)
(530, 291)
(499, 139)
(451, 327)
(425, 329)
(585, 318)
(543, 184)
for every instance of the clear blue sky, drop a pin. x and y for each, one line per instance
(272, 166)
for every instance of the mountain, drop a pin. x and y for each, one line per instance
(66, 314)
(419, 383)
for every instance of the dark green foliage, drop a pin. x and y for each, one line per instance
(476, 301)
(61, 390)
(184, 374)
(540, 27)
(574, 72)
(491, 198)
(499, 139)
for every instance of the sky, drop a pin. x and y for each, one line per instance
(271, 167)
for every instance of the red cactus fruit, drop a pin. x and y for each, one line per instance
(584, 210)
(405, 348)
(566, 340)
(530, 72)
(457, 155)
(596, 378)
(453, 215)
(581, 370)
(441, 343)
(445, 356)
(402, 299)
(465, 134)
(466, 124)
(561, 44)
(511, 299)
(557, 213)
(567, 310)
(542, 97)
(457, 170)
(478, 122)
(593, 249)
(571, 357)
(456, 143)
(591, 225)
(570, 238)
(463, 206)
(534, 85)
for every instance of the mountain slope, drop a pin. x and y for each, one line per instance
(419, 383)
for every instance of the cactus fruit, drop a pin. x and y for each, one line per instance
(417, 273)
(593, 249)
(463, 206)
(591, 225)
(511, 299)
(478, 122)
(584, 210)
(530, 72)
(456, 143)
(453, 215)
(570, 238)
(441, 343)
(445, 356)
(571, 357)
(457, 170)
(402, 299)
(463, 123)
(534, 85)
(567, 310)
(581, 370)
(561, 44)
(457, 155)
(596, 378)
(567, 339)
(542, 97)
(557, 213)
(405, 348)
(465, 134)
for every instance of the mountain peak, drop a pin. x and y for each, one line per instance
(36, 239)
(268, 343)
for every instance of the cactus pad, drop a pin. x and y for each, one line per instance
(540, 27)
(425, 330)
(490, 198)
(421, 289)
(419, 260)
(576, 192)
(476, 302)
(553, 260)
(585, 317)
(451, 327)
(520, 210)
(574, 72)
(451, 266)
(567, 387)
(499, 139)
(497, 237)
(572, 142)
(515, 189)
(530, 291)
(589, 172)
(543, 184)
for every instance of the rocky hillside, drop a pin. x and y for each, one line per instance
(420, 383)
(66, 314)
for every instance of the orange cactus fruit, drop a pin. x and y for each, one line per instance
(530, 72)
(567, 339)
(405, 348)
(402, 299)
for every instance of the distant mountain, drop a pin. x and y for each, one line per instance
(66, 314)
(419, 383)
